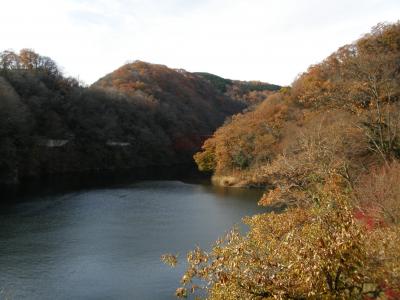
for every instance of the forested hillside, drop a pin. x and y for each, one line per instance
(328, 149)
(249, 92)
(140, 115)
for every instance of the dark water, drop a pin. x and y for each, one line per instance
(105, 243)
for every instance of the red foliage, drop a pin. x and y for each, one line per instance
(389, 292)
(369, 220)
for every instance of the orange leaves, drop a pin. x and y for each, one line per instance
(272, 197)
(130, 86)
(314, 147)
(249, 140)
(356, 74)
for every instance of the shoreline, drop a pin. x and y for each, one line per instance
(97, 178)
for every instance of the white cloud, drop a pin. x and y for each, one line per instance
(242, 39)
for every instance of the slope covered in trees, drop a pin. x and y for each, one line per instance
(137, 116)
(249, 92)
(328, 148)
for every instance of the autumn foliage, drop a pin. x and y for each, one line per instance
(327, 149)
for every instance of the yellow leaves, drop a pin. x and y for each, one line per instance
(384, 252)
(300, 252)
(181, 293)
(170, 259)
(185, 279)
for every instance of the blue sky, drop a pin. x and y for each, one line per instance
(240, 39)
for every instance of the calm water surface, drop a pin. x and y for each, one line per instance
(105, 243)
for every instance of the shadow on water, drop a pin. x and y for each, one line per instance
(64, 183)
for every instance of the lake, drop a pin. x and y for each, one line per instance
(105, 242)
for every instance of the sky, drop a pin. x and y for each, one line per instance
(267, 40)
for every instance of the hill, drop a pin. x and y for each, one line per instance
(187, 107)
(137, 116)
(328, 150)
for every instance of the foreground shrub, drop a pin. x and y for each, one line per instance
(321, 252)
